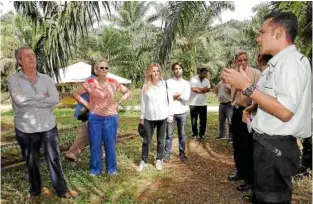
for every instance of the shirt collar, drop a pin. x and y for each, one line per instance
(281, 54)
(21, 74)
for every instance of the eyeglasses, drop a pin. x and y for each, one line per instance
(242, 60)
(104, 68)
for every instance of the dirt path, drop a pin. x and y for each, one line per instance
(201, 180)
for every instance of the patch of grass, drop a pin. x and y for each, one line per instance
(149, 186)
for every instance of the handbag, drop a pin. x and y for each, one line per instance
(141, 130)
(83, 114)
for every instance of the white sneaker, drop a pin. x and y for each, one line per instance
(158, 165)
(141, 166)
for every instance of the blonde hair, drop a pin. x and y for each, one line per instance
(97, 62)
(148, 76)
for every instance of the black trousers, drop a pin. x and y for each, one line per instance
(150, 126)
(243, 146)
(30, 144)
(307, 154)
(201, 112)
(272, 173)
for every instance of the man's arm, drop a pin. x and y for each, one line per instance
(18, 97)
(196, 89)
(205, 89)
(270, 104)
(52, 96)
(186, 93)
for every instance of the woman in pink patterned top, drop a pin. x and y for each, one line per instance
(103, 118)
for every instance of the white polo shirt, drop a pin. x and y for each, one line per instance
(182, 87)
(288, 80)
(198, 99)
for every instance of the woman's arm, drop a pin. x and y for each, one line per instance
(126, 93)
(77, 95)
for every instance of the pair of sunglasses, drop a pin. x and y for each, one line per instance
(243, 60)
(104, 68)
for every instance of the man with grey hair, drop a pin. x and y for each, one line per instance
(242, 139)
(34, 96)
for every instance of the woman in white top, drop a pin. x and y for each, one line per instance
(155, 109)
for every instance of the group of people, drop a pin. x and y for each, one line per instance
(266, 112)
(265, 131)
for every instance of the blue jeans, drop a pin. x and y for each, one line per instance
(180, 119)
(30, 144)
(225, 112)
(102, 130)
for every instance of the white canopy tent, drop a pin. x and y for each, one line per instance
(80, 71)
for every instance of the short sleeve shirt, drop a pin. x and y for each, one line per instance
(101, 96)
(289, 81)
(198, 99)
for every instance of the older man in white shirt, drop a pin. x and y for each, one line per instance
(180, 89)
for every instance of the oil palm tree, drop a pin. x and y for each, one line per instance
(62, 25)
(181, 15)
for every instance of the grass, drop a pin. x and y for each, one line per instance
(168, 186)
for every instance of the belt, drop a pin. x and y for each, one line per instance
(260, 138)
(225, 103)
(236, 107)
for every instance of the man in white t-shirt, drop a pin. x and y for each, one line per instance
(200, 85)
(284, 108)
(180, 89)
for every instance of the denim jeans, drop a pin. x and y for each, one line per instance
(225, 112)
(30, 144)
(201, 112)
(102, 130)
(149, 126)
(180, 120)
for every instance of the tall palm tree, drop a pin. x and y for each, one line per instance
(63, 24)
(181, 14)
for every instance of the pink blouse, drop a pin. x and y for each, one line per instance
(101, 96)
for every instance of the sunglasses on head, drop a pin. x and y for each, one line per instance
(104, 68)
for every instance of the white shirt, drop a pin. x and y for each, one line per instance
(182, 87)
(198, 99)
(260, 83)
(288, 80)
(154, 104)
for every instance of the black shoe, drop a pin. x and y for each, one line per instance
(194, 137)
(183, 158)
(234, 177)
(244, 187)
(220, 138)
(201, 138)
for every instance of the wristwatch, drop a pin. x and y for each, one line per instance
(249, 90)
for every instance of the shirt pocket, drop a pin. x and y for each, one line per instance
(268, 87)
